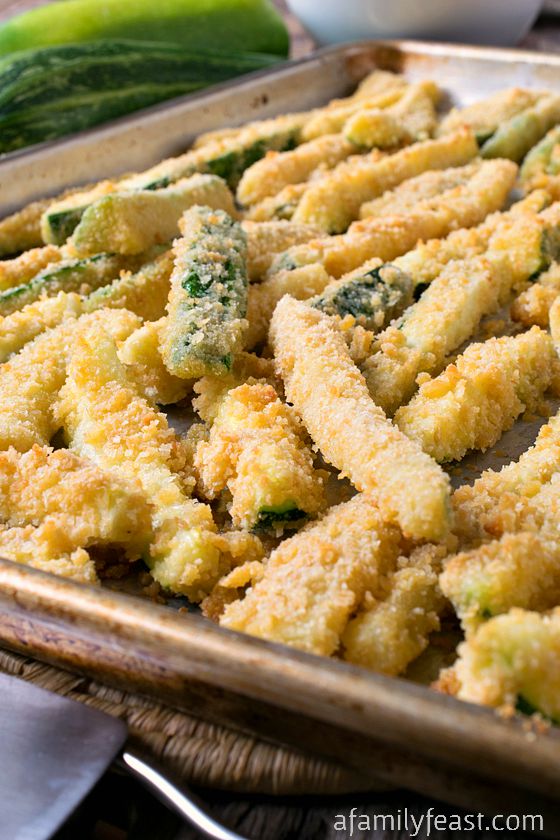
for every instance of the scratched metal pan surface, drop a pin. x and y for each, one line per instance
(389, 729)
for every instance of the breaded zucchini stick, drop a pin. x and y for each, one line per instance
(330, 395)
(533, 305)
(105, 420)
(518, 570)
(334, 201)
(486, 115)
(514, 660)
(63, 213)
(93, 507)
(48, 548)
(314, 581)
(31, 380)
(211, 390)
(256, 449)
(140, 352)
(425, 207)
(475, 507)
(23, 325)
(70, 275)
(475, 400)
(21, 269)
(129, 222)
(208, 297)
(22, 230)
(266, 239)
(279, 207)
(392, 627)
(517, 136)
(410, 119)
(144, 292)
(280, 169)
(541, 167)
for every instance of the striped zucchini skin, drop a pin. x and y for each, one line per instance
(69, 276)
(47, 93)
(208, 297)
(373, 298)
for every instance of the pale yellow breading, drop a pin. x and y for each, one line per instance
(313, 581)
(335, 200)
(554, 319)
(277, 170)
(107, 421)
(301, 284)
(485, 115)
(431, 205)
(91, 506)
(30, 380)
(331, 120)
(411, 118)
(514, 660)
(533, 305)
(278, 207)
(23, 325)
(47, 548)
(256, 449)
(211, 390)
(331, 396)
(22, 230)
(475, 507)
(141, 354)
(70, 200)
(480, 396)
(267, 239)
(392, 629)
(27, 265)
(446, 315)
(518, 570)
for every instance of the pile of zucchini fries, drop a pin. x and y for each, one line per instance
(348, 300)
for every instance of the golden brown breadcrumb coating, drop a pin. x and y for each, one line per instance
(330, 395)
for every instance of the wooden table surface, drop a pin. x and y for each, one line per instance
(119, 802)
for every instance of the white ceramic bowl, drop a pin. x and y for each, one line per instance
(498, 22)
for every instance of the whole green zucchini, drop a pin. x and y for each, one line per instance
(252, 25)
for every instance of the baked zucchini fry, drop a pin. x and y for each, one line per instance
(514, 661)
(256, 449)
(335, 199)
(518, 570)
(533, 305)
(485, 116)
(314, 581)
(331, 396)
(300, 284)
(144, 292)
(134, 221)
(49, 549)
(371, 298)
(517, 136)
(428, 206)
(93, 507)
(31, 380)
(22, 230)
(542, 164)
(411, 119)
(208, 298)
(71, 275)
(393, 625)
(448, 312)
(62, 214)
(266, 239)
(279, 207)
(141, 354)
(106, 421)
(211, 390)
(280, 169)
(475, 400)
(476, 506)
(22, 326)
(21, 269)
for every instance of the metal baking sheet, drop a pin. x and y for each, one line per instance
(385, 728)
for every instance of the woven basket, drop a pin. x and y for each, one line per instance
(200, 753)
